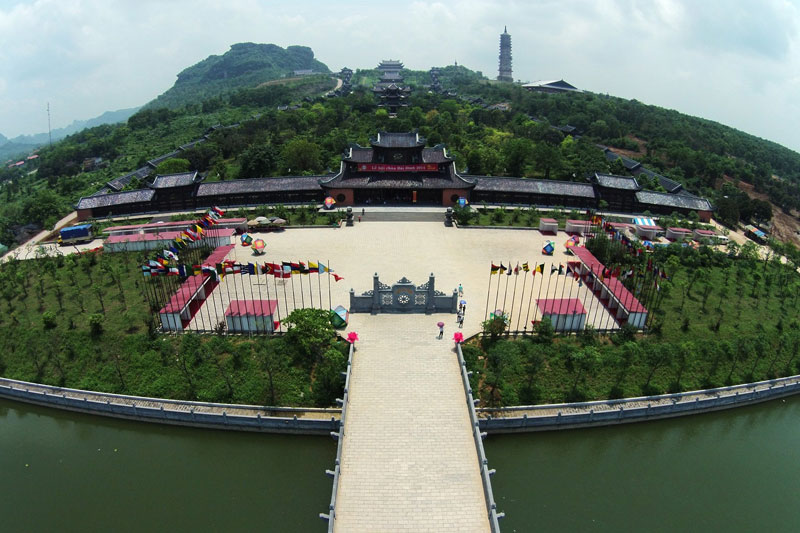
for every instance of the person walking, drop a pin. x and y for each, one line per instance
(441, 330)
(460, 321)
(460, 291)
(363, 212)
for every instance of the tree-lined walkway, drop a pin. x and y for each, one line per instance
(408, 458)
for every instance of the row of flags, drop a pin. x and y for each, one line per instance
(525, 267)
(607, 272)
(284, 269)
(193, 232)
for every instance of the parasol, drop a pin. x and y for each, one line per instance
(247, 240)
(329, 202)
(258, 246)
(440, 324)
(277, 221)
(548, 248)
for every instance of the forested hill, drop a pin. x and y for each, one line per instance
(244, 65)
(490, 128)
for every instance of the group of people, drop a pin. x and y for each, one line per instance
(462, 309)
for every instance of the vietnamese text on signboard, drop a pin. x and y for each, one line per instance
(377, 167)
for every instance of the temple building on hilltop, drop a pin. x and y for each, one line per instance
(390, 89)
(397, 168)
(504, 72)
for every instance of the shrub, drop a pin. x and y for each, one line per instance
(49, 319)
(96, 324)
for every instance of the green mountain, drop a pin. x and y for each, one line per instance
(244, 65)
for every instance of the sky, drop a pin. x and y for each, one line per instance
(732, 61)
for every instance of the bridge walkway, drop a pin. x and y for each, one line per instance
(409, 462)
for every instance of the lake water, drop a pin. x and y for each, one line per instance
(733, 470)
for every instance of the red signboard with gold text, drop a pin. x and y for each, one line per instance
(376, 167)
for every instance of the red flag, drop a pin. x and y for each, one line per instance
(337, 277)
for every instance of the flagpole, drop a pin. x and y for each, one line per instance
(539, 295)
(302, 288)
(497, 293)
(328, 268)
(319, 285)
(522, 296)
(310, 287)
(530, 299)
(488, 295)
(505, 292)
(294, 299)
(514, 294)
(283, 283)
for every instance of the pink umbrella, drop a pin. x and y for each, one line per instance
(440, 324)
(352, 337)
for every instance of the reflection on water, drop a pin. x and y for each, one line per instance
(732, 470)
(77, 472)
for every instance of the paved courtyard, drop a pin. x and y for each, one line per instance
(414, 250)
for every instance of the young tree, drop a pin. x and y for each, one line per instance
(310, 330)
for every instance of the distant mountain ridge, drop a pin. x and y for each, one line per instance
(244, 65)
(27, 142)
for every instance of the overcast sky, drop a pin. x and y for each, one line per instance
(735, 62)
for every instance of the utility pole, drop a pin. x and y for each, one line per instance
(49, 133)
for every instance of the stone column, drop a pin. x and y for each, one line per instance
(376, 295)
(430, 306)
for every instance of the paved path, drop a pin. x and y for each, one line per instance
(408, 458)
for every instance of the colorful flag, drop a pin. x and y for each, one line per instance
(509, 270)
(266, 268)
(313, 267)
(553, 269)
(170, 254)
(569, 270)
(560, 269)
(502, 268)
(337, 277)
(495, 268)
(217, 210)
(295, 268)
(146, 271)
(516, 270)
(539, 269)
(210, 271)
(525, 267)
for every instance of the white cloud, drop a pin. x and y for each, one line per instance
(733, 61)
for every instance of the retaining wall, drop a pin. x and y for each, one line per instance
(483, 463)
(330, 516)
(628, 410)
(308, 421)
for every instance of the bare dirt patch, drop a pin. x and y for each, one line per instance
(784, 226)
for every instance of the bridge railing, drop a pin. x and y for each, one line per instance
(477, 435)
(330, 516)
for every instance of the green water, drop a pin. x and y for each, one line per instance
(64, 471)
(735, 470)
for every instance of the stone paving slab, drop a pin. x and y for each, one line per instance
(409, 462)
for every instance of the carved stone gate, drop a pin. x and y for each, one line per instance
(403, 297)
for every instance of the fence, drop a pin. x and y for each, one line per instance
(314, 421)
(601, 413)
(339, 436)
(477, 435)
